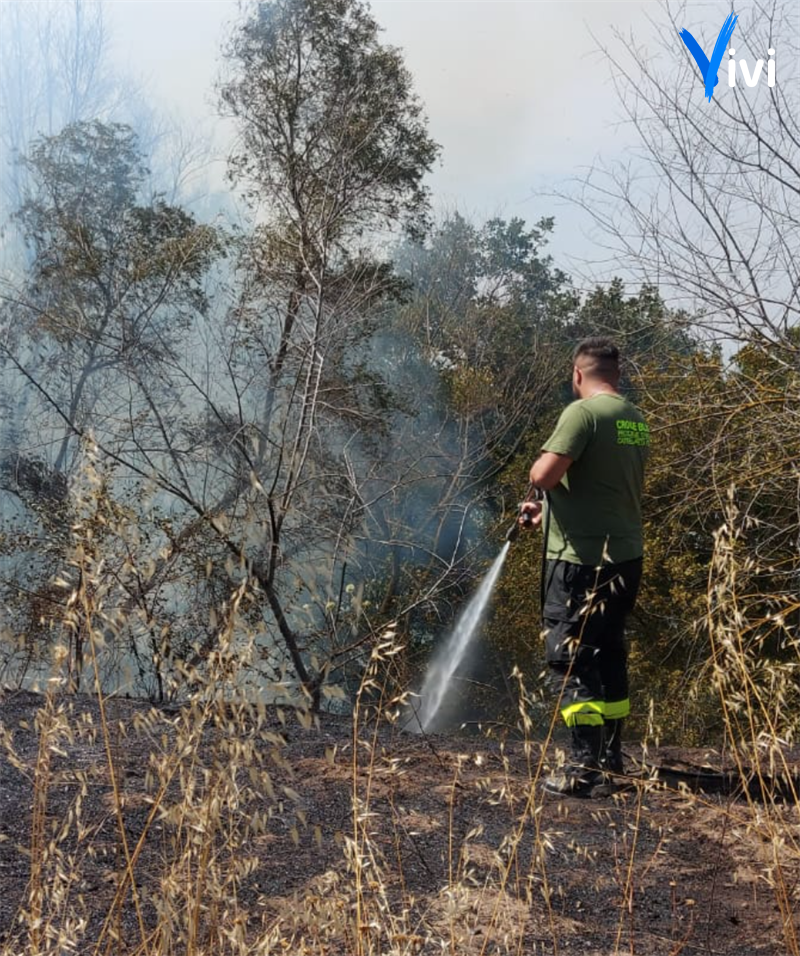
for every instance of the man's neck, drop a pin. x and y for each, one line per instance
(601, 388)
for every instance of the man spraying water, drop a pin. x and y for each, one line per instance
(592, 466)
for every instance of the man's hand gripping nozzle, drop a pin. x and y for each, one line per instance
(524, 518)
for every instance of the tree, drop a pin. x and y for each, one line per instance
(487, 308)
(114, 284)
(334, 150)
(53, 72)
(56, 71)
(707, 208)
(261, 418)
(645, 329)
(334, 140)
(223, 434)
(479, 350)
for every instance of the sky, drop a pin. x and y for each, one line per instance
(516, 93)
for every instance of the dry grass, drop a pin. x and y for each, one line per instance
(226, 827)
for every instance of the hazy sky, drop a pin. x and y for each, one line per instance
(515, 92)
(511, 88)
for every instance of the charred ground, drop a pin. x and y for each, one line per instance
(449, 851)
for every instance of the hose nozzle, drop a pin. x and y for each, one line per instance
(513, 532)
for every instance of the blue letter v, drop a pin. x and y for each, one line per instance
(710, 68)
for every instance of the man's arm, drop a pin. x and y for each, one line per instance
(548, 469)
(546, 472)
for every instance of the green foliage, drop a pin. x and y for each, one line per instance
(334, 139)
(487, 309)
(115, 280)
(717, 432)
(107, 266)
(646, 331)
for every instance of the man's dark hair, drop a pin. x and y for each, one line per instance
(600, 357)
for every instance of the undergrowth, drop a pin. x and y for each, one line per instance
(184, 862)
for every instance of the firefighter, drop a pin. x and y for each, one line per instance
(592, 467)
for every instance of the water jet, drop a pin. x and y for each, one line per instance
(453, 652)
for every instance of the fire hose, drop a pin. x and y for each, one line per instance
(525, 520)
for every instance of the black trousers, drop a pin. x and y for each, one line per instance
(584, 625)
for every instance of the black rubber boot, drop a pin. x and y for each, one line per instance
(612, 756)
(583, 773)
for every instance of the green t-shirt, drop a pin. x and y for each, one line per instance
(596, 509)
